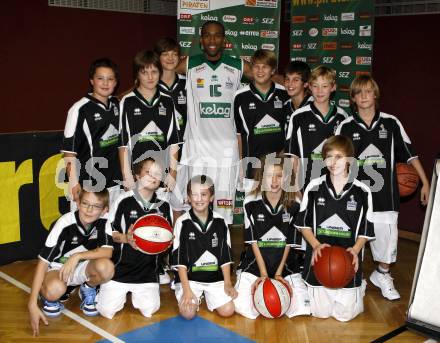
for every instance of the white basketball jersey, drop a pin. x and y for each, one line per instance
(210, 135)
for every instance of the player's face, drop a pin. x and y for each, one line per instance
(200, 198)
(365, 99)
(169, 60)
(321, 89)
(336, 162)
(213, 41)
(273, 179)
(262, 73)
(149, 77)
(90, 208)
(294, 85)
(150, 176)
(103, 83)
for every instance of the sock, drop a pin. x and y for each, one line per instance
(382, 270)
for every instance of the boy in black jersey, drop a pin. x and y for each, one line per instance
(91, 135)
(202, 254)
(380, 142)
(135, 271)
(296, 82)
(258, 112)
(270, 213)
(312, 124)
(77, 252)
(148, 120)
(336, 210)
(171, 83)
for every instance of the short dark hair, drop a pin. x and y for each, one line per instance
(201, 180)
(209, 22)
(166, 44)
(143, 59)
(300, 68)
(105, 63)
(266, 57)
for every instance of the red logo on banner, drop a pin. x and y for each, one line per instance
(297, 46)
(248, 20)
(228, 45)
(329, 46)
(185, 16)
(313, 18)
(297, 19)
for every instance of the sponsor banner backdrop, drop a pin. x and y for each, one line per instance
(30, 200)
(249, 24)
(337, 34)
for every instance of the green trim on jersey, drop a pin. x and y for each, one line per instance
(195, 61)
(271, 244)
(322, 231)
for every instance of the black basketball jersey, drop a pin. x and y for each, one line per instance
(91, 132)
(290, 107)
(133, 266)
(260, 121)
(272, 229)
(68, 236)
(201, 249)
(378, 147)
(308, 130)
(177, 92)
(336, 219)
(147, 126)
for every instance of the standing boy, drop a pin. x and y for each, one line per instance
(380, 142)
(258, 112)
(312, 124)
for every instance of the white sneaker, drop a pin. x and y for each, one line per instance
(385, 282)
(164, 278)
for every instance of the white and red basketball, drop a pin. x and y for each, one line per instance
(152, 234)
(272, 298)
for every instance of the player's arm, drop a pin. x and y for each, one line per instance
(355, 249)
(127, 176)
(173, 151)
(189, 300)
(316, 245)
(424, 192)
(74, 186)
(181, 67)
(260, 260)
(229, 289)
(280, 268)
(35, 313)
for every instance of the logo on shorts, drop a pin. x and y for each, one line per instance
(321, 201)
(192, 236)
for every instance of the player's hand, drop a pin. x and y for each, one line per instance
(355, 258)
(284, 282)
(257, 282)
(189, 301)
(424, 194)
(317, 252)
(119, 237)
(66, 271)
(231, 291)
(170, 182)
(36, 315)
(74, 192)
(130, 239)
(128, 183)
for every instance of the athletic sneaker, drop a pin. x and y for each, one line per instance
(385, 282)
(164, 279)
(69, 291)
(52, 308)
(88, 305)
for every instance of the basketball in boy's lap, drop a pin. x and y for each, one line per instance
(334, 269)
(272, 298)
(407, 179)
(152, 234)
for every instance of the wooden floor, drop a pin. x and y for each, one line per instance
(380, 317)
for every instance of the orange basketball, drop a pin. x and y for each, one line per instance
(334, 268)
(407, 179)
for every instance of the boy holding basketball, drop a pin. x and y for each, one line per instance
(380, 142)
(202, 254)
(336, 210)
(312, 124)
(77, 252)
(135, 271)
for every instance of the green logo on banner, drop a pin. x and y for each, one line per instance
(215, 110)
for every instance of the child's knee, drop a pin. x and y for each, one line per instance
(104, 269)
(226, 310)
(188, 313)
(53, 289)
